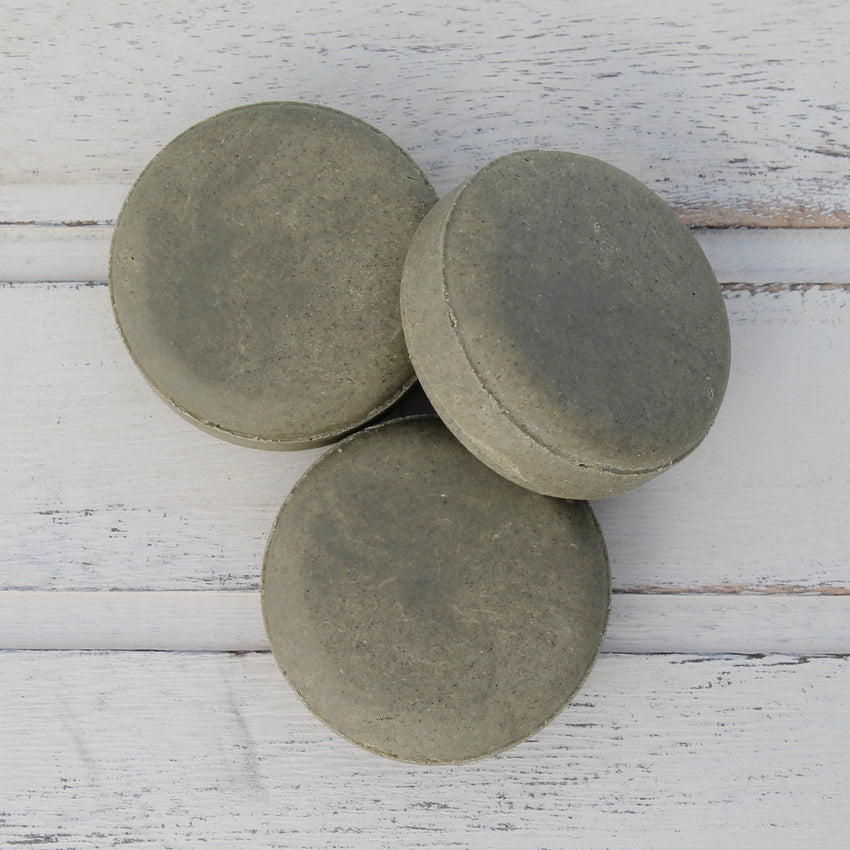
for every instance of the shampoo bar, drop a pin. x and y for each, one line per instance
(425, 607)
(565, 325)
(255, 273)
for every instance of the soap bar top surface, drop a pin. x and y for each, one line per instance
(568, 300)
(425, 607)
(255, 272)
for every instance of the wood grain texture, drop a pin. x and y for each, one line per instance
(735, 113)
(231, 621)
(103, 487)
(121, 526)
(169, 750)
(80, 253)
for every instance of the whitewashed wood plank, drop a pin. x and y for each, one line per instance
(103, 487)
(52, 254)
(232, 621)
(164, 750)
(777, 255)
(44, 253)
(735, 113)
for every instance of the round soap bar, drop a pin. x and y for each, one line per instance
(565, 324)
(255, 272)
(425, 607)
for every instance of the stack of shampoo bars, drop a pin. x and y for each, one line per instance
(435, 587)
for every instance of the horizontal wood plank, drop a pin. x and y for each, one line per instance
(44, 253)
(734, 113)
(232, 621)
(188, 751)
(103, 487)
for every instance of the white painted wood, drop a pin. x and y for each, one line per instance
(777, 256)
(103, 487)
(47, 253)
(150, 620)
(734, 112)
(43, 253)
(232, 621)
(167, 750)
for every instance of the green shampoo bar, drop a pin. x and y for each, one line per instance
(425, 607)
(255, 273)
(565, 324)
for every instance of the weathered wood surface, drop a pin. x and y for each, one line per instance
(231, 621)
(80, 253)
(123, 527)
(736, 113)
(171, 750)
(105, 488)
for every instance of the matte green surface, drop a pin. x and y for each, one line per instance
(425, 607)
(565, 324)
(255, 272)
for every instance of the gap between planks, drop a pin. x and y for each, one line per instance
(48, 253)
(231, 621)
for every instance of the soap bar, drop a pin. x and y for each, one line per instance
(565, 324)
(425, 607)
(255, 272)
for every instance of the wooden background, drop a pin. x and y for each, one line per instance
(140, 705)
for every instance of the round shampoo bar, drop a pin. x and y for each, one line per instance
(255, 272)
(565, 324)
(425, 607)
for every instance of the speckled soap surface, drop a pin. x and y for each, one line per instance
(424, 606)
(564, 323)
(255, 272)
